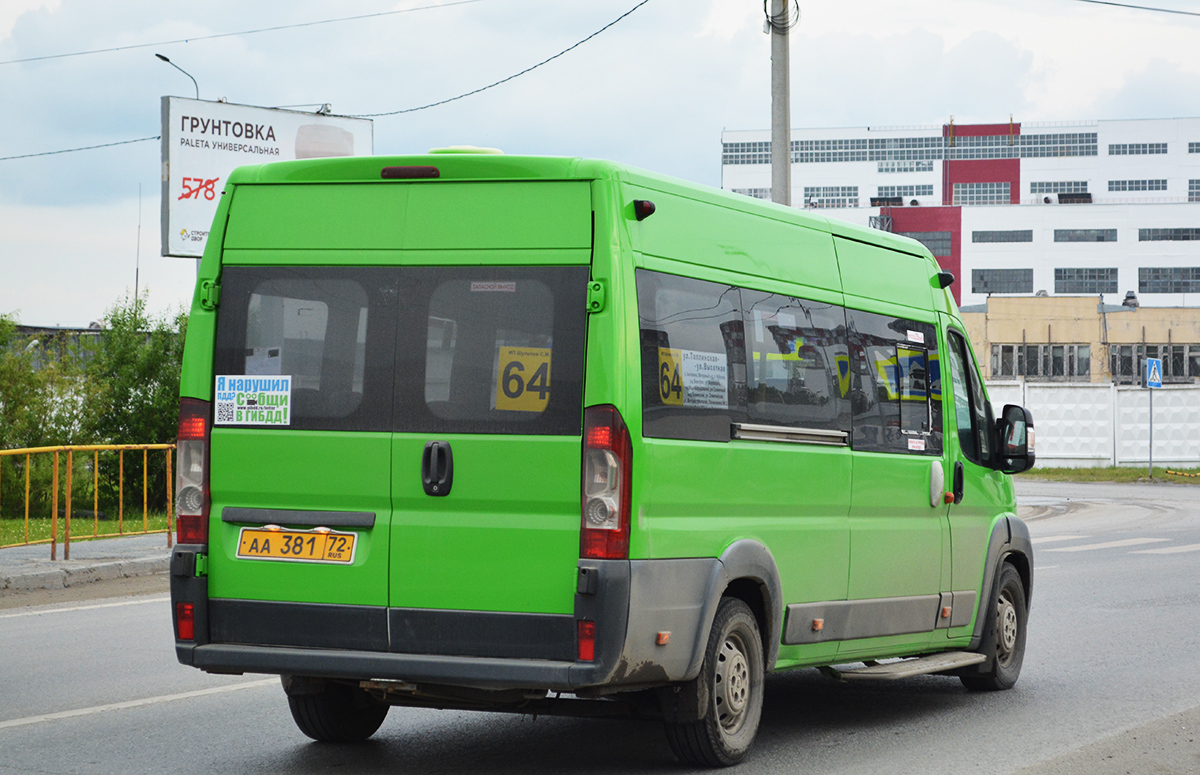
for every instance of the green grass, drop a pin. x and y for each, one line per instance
(12, 531)
(1111, 474)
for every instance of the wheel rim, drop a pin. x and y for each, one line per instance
(1007, 626)
(732, 695)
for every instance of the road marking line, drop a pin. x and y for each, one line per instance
(20, 722)
(1048, 539)
(1108, 545)
(1170, 549)
(86, 607)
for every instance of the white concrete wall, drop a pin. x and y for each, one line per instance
(1080, 425)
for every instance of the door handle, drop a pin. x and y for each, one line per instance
(437, 468)
(958, 481)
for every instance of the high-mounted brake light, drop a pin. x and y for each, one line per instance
(607, 485)
(409, 173)
(191, 478)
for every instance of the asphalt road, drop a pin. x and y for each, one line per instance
(1111, 684)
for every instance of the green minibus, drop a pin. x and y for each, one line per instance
(562, 436)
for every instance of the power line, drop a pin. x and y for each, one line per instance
(84, 148)
(509, 78)
(1140, 7)
(232, 34)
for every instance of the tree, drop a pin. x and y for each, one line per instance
(132, 388)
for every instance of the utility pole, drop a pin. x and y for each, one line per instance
(780, 22)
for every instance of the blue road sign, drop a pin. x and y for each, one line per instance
(1154, 372)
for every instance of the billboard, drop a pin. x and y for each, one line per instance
(203, 141)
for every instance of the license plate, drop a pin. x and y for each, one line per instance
(319, 545)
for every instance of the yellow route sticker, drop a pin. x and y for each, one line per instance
(670, 383)
(523, 379)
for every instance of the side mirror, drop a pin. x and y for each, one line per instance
(1014, 431)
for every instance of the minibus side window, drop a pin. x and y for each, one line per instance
(693, 357)
(895, 390)
(971, 410)
(329, 329)
(798, 362)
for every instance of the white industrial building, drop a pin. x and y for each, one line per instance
(1084, 207)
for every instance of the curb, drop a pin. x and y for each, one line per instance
(84, 574)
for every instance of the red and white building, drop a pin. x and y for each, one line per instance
(1084, 207)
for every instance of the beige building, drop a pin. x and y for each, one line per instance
(1080, 339)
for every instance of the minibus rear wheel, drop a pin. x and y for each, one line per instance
(337, 713)
(732, 673)
(1003, 635)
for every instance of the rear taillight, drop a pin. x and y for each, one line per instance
(607, 485)
(587, 641)
(185, 621)
(191, 478)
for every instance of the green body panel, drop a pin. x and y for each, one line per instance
(696, 498)
(522, 256)
(895, 535)
(870, 274)
(305, 470)
(443, 216)
(506, 537)
(711, 234)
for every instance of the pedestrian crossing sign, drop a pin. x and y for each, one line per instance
(1154, 372)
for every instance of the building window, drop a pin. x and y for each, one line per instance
(746, 153)
(906, 191)
(1090, 280)
(1042, 361)
(938, 242)
(982, 193)
(1181, 362)
(757, 193)
(831, 196)
(1138, 185)
(1015, 235)
(1136, 149)
(1058, 187)
(1085, 235)
(1169, 279)
(1194, 190)
(1022, 146)
(1169, 235)
(824, 151)
(905, 166)
(1001, 281)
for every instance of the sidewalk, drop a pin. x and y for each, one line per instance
(30, 567)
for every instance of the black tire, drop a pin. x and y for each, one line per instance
(732, 673)
(337, 714)
(1003, 635)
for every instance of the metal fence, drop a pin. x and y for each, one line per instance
(63, 483)
(1100, 424)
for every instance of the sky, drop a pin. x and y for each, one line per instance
(655, 90)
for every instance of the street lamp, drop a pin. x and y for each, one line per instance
(180, 69)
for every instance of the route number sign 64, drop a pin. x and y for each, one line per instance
(523, 379)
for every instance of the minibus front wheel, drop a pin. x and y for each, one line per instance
(1003, 635)
(732, 677)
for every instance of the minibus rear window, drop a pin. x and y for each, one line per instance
(492, 350)
(322, 327)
